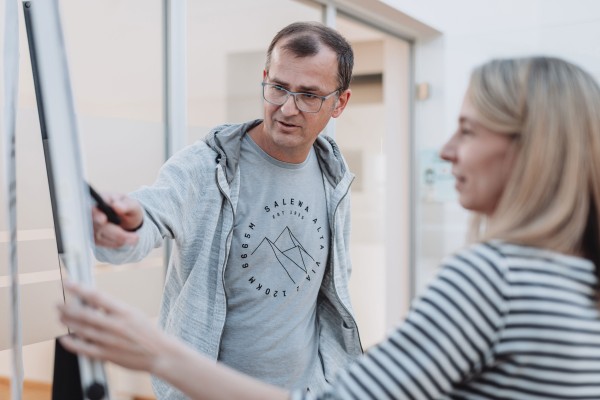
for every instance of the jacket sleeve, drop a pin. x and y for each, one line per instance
(167, 204)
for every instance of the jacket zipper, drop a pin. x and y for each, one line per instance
(333, 269)
(227, 244)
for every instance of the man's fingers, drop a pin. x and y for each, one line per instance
(123, 204)
(131, 215)
(98, 217)
(111, 235)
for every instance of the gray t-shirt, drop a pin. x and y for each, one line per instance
(278, 255)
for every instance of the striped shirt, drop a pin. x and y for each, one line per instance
(500, 321)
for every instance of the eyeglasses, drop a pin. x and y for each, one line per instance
(306, 102)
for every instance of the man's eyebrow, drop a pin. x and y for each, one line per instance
(300, 89)
(309, 89)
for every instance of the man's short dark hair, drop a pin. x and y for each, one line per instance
(306, 38)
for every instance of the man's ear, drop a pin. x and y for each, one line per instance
(341, 103)
(264, 74)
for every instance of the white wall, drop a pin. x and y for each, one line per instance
(474, 31)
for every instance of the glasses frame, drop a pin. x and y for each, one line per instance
(294, 94)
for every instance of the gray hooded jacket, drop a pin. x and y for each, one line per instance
(193, 201)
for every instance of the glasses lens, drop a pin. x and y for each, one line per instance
(275, 94)
(308, 103)
(304, 101)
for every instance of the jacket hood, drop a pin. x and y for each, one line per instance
(226, 141)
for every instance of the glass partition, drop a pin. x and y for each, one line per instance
(227, 46)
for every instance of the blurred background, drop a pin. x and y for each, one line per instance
(126, 59)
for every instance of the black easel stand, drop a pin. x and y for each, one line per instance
(67, 380)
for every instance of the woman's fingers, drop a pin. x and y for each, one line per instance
(79, 346)
(93, 315)
(96, 299)
(111, 330)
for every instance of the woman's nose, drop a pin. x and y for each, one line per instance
(448, 151)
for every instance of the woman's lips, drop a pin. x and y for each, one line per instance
(459, 181)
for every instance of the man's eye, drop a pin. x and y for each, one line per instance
(309, 96)
(279, 88)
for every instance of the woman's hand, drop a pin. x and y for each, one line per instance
(106, 329)
(109, 330)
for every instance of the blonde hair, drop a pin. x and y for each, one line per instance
(552, 196)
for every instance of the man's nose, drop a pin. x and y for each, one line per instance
(290, 107)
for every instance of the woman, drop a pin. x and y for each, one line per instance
(514, 316)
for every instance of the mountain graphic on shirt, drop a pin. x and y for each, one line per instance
(289, 253)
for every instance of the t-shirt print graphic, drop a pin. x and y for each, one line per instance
(281, 250)
(290, 254)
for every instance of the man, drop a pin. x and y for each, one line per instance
(259, 213)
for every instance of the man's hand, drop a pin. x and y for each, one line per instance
(130, 212)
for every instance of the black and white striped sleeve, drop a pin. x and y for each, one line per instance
(447, 337)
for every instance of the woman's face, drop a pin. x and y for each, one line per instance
(481, 161)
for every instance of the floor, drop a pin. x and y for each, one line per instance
(39, 391)
(31, 391)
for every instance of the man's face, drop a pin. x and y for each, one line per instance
(288, 133)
